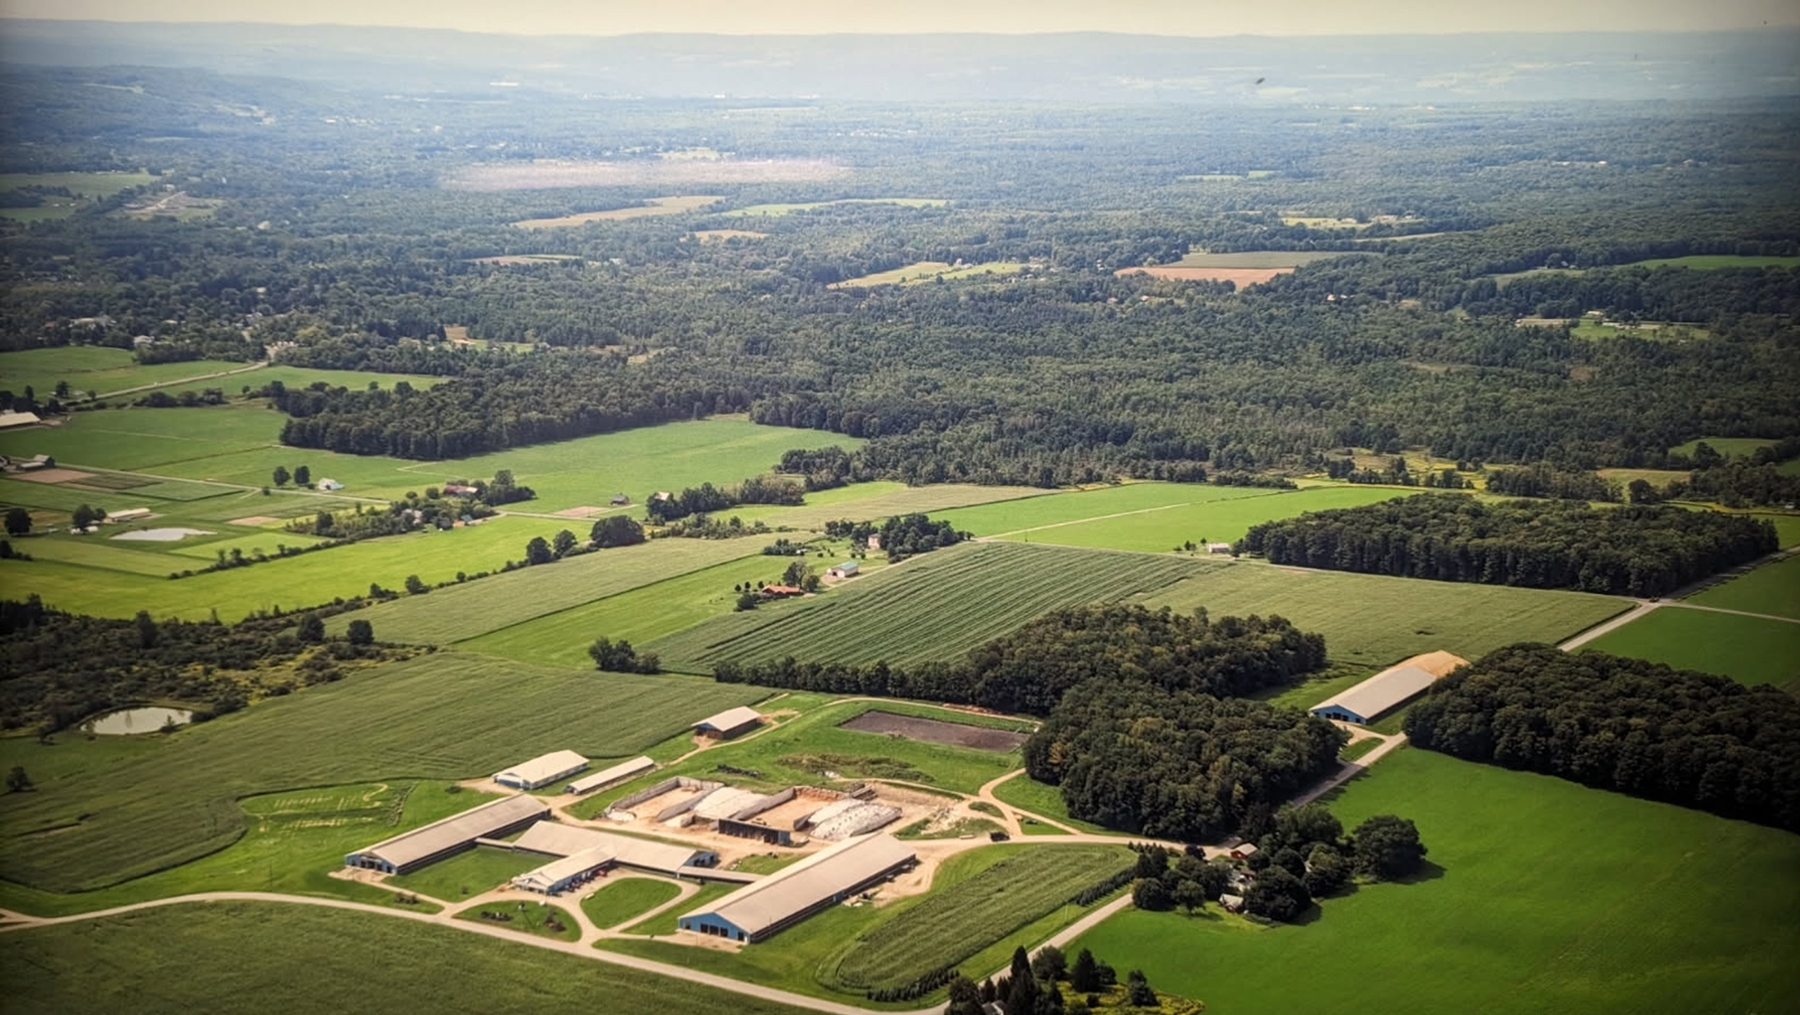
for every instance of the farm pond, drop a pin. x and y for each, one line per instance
(139, 720)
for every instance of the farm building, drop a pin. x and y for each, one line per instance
(781, 591)
(844, 818)
(784, 898)
(8, 420)
(129, 515)
(1218, 547)
(565, 872)
(848, 569)
(620, 500)
(729, 723)
(1243, 851)
(552, 839)
(542, 770)
(409, 851)
(459, 490)
(610, 776)
(330, 484)
(1389, 688)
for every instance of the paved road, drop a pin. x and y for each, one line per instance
(1350, 770)
(1642, 608)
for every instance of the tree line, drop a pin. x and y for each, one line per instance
(1637, 727)
(1637, 550)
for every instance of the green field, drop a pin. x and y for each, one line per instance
(878, 500)
(1730, 447)
(300, 960)
(87, 187)
(1649, 331)
(1713, 262)
(97, 369)
(441, 717)
(1540, 896)
(531, 916)
(505, 600)
(627, 898)
(949, 927)
(934, 606)
(801, 749)
(928, 271)
(668, 921)
(470, 873)
(1374, 620)
(1028, 794)
(1218, 520)
(1773, 588)
(290, 583)
(1081, 505)
(1750, 650)
(1257, 259)
(777, 210)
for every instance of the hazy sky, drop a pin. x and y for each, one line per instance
(1165, 17)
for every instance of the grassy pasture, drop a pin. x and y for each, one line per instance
(928, 271)
(1750, 650)
(100, 370)
(502, 601)
(1772, 588)
(302, 960)
(1219, 520)
(1257, 259)
(290, 583)
(87, 188)
(1730, 447)
(950, 927)
(1026, 793)
(935, 606)
(1713, 262)
(881, 499)
(438, 717)
(532, 916)
(778, 210)
(148, 439)
(1081, 505)
(653, 207)
(626, 898)
(854, 754)
(469, 873)
(1375, 620)
(1650, 331)
(1582, 898)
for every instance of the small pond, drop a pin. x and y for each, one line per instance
(162, 535)
(139, 720)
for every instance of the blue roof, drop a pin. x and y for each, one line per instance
(848, 565)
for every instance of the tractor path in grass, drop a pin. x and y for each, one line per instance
(184, 380)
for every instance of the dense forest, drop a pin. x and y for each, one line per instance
(1636, 550)
(59, 668)
(1637, 727)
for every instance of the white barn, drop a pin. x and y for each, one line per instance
(610, 776)
(1388, 689)
(542, 770)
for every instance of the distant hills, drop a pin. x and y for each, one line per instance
(1083, 67)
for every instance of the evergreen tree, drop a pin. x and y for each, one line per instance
(281, 475)
(302, 476)
(1084, 972)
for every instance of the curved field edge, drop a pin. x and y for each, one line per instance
(441, 716)
(304, 960)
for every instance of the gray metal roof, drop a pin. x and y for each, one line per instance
(566, 840)
(731, 718)
(544, 878)
(447, 833)
(607, 776)
(793, 890)
(545, 767)
(1381, 692)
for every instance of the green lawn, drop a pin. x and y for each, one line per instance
(305, 961)
(1219, 520)
(1747, 649)
(801, 748)
(626, 898)
(502, 601)
(934, 606)
(1375, 620)
(1541, 896)
(1730, 447)
(1787, 527)
(1026, 793)
(100, 370)
(526, 916)
(1772, 588)
(439, 717)
(668, 921)
(469, 873)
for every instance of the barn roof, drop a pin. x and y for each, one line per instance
(1393, 685)
(794, 890)
(607, 776)
(447, 833)
(544, 766)
(566, 840)
(544, 878)
(731, 718)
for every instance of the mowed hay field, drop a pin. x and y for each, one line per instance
(934, 606)
(1750, 650)
(502, 601)
(91, 368)
(1540, 896)
(443, 716)
(882, 499)
(303, 960)
(1375, 620)
(653, 207)
(1773, 588)
(949, 927)
(927, 271)
(1129, 499)
(1249, 267)
(1217, 519)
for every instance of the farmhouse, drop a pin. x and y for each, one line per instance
(8, 420)
(542, 770)
(330, 484)
(459, 490)
(409, 851)
(129, 515)
(784, 898)
(610, 776)
(553, 839)
(729, 723)
(781, 591)
(848, 569)
(1389, 688)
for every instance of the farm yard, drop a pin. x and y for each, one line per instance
(315, 959)
(962, 596)
(439, 717)
(1576, 891)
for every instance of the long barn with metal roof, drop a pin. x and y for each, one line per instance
(409, 851)
(1388, 689)
(784, 898)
